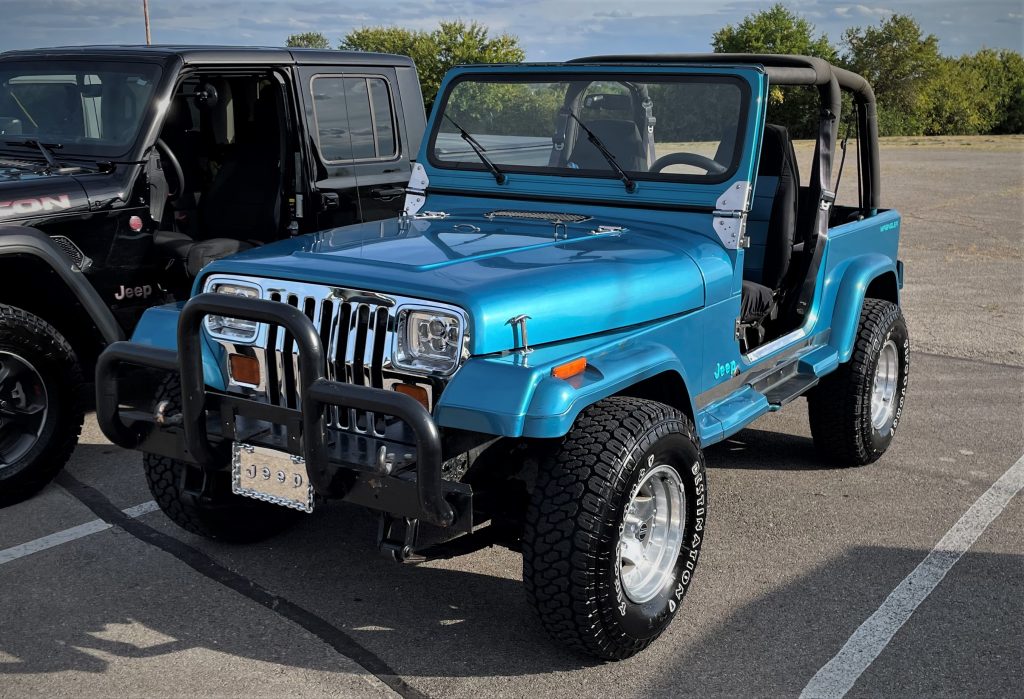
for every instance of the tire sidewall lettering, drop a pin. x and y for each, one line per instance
(648, 619)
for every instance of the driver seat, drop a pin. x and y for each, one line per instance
(762, 287)
(242, 207)
(620, 136)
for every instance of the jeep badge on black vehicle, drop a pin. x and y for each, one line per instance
(124, 170)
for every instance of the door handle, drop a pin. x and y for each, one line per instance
(330, 200)
(387, 192)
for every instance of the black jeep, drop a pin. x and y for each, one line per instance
(124, 170)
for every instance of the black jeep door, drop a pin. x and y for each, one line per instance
(357, 143)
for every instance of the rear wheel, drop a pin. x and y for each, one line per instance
(615, 526)
(41, 403)
(854, 412)
(202, 503)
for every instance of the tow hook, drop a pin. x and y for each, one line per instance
(161, 417)
(395, 545)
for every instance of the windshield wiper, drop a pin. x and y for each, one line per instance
(45, 148)
(499, 176)
(607, 154)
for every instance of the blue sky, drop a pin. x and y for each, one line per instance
(547, 29)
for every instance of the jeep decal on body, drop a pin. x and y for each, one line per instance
(35, 205)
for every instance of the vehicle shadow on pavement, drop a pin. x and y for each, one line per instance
(763, 449)
(466, 616)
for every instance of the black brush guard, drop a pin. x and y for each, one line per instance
(427, 498)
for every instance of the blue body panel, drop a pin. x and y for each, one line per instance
(158, 327)
(659, 299)
(577, 285)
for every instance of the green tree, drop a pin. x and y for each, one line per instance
(999, 79)
(308, 40)
(901, 64)
(452, 43)
(779, 30)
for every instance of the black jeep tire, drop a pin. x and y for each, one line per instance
(575, 526)
(40, 370)
(221, 515)
(841, 408)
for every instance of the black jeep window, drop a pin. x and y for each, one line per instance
(679, 128)
(89, 107)
(354, 118)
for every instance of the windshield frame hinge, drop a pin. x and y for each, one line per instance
(730, 215)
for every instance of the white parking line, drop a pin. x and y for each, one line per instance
(66, 535)
(838, 676)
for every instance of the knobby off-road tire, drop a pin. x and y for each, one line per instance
(41, 403)
(580, 516)
(854, 412)
(222, 515)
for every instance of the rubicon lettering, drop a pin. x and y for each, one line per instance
(35, 205)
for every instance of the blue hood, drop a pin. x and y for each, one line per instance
(578, 284)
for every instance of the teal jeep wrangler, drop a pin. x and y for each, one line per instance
(602, 267)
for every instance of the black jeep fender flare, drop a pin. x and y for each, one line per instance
(22, 240)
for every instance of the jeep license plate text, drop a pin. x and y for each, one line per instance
(272, 476)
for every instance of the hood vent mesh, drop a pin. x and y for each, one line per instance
(549, 216)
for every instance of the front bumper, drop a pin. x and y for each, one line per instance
(339, 465)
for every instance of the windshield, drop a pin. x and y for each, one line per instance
(88, 107)
(677, 128)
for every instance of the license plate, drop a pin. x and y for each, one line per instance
(272, 476)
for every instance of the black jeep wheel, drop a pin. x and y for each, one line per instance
(41, 405)
(854, 412)
(614, 527)
(220, 514)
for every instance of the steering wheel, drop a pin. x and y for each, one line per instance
(713, 167)
(169, 159)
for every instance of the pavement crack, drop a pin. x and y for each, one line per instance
(208, 567)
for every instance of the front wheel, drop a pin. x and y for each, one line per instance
(615, 526)
(203, 504)
(41, 406)
(854, 412)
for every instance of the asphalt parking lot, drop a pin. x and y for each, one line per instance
(798, 557)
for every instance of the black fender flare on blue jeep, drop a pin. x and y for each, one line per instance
(53, 324)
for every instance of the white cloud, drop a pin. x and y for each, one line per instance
(547, 29)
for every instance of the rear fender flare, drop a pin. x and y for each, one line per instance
(859, 275)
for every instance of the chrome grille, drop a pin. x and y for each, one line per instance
(356, 330)
(356, 336)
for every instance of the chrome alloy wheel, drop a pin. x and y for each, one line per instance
(883, 391)
(23, 404)
(652, 534)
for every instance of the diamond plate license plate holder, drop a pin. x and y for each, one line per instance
(272, 476)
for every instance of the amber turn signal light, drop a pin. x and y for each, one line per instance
(244, 369)
(570, 369)
(418, 393)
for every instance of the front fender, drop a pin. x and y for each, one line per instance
(856, 279)
(158, 327)
(22, 240)
(516, 396)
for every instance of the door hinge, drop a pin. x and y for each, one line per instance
(731, 227)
